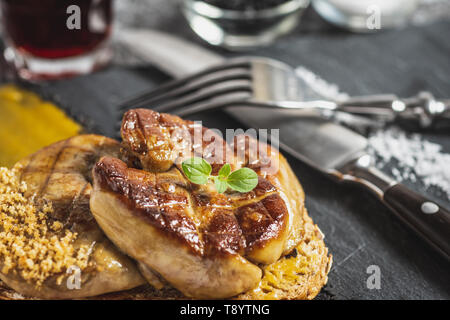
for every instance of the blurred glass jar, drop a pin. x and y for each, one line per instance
(366, 15)
(52, 39)
(242, 24)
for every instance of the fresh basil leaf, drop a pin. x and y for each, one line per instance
(243, 180)
(197, 170)
(225, 170)
(221, 185)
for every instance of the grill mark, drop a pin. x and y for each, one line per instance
(240, 203)
(141, 128)
(27, 168)
(74, 200)
(267, 214)
(30, 168)
(47, 179)
(230, 246)
(193, 205)
(81, 149)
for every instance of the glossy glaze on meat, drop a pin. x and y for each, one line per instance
(159, 141)
(203, 243)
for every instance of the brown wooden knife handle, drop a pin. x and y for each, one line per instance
(426, 217)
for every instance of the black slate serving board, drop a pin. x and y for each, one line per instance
(360, 232)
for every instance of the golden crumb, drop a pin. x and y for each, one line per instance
(30, 244)
(57, 226)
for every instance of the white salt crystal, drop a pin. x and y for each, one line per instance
(413, 158)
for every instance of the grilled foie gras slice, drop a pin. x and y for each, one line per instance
(271, 227)
(61, 174)
(221, 237)
(153, 218)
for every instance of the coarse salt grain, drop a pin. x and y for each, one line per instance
(414, 157)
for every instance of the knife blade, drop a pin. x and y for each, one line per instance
(328, 147)
(173, 55)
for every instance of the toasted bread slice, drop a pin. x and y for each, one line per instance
(298, 276)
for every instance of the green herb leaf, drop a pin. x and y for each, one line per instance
(221, 185)
(197, 170)
(243, 180)
(225, 170)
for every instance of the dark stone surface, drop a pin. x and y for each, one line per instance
(359, 230)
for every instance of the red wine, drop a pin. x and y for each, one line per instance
(39, 27)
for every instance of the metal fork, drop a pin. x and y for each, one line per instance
(267, 83)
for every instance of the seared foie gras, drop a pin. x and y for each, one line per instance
(269, 216)
(61, 174)
(152, 217)
(205, 244)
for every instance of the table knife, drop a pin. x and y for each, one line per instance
(326, 146)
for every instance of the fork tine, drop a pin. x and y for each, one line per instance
(212, 92)
(218, 96)
(175, 84)
(226, 100)
(198, 84)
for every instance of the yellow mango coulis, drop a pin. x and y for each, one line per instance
(28, 123)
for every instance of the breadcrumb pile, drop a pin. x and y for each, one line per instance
(30, 245)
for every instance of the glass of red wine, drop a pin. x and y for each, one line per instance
(53, 39)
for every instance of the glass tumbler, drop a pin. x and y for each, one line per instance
(366, 15)
(242, 24)
(51, 39)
